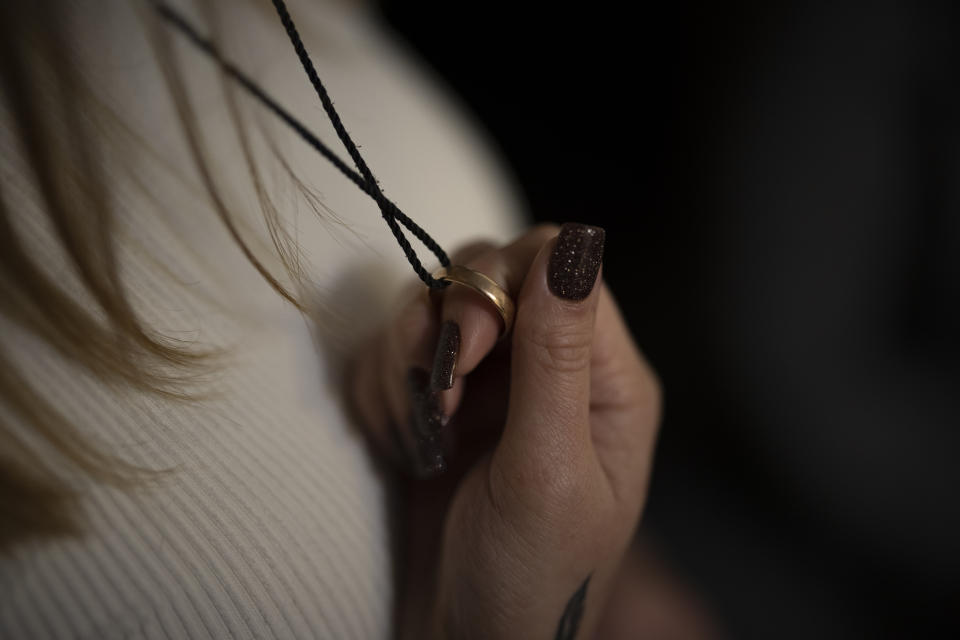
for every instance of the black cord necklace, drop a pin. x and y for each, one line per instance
(364, 179)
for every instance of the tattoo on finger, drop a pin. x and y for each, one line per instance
(570, 620)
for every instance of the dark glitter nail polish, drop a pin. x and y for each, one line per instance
(426, 420)
(427, 415)
(430, 450)
(575, 261)
(445, 359)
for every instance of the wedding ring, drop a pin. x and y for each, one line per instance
(485, 286)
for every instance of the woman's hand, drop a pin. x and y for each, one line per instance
(546, 453)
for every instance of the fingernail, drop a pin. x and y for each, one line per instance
(426, 420)
(432, 461)
(428, 416)
(575, 261)
(445, 359)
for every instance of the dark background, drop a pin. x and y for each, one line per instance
(779, 184)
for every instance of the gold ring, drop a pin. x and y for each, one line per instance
(485, 286)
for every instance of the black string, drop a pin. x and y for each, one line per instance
(365, 179)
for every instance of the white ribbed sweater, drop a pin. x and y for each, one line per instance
(272, 522)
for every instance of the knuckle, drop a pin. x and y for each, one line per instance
(564, 488)
(573, 500)
(546, 490)
(558, 346)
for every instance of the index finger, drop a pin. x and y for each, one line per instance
(472, 321)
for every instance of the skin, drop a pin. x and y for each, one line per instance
(549, 449)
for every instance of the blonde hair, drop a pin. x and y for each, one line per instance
(43, 96)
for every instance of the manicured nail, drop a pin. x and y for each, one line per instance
(445, 359)
(426, 421)
(425, 407)
(430, 450)
(575, 261)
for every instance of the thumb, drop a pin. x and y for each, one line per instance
(548, 416)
